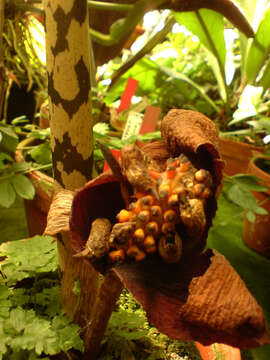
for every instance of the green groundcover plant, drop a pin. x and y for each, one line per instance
(33, 326)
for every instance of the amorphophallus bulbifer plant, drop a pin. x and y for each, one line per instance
(148, 220)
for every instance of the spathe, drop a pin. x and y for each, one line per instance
(201, 297)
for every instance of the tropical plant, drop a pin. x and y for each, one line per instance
(13, 180)
(243, 75)
(182, 80)
(24, 72)
(72, 153)
(13, 175)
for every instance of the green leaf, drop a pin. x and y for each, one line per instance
(145, 71)
(248, 7)
(5, 160)
(5, 303)
(242, 197)
(25, 258)
(23, 186)
(261, 211)
(115, 143)
(50, 299)
(219, 74)
(38, 133)
(265, 80)
(116, 28)
(27, 331)
(30, 332)
(7, 193)
(262, 123)
(67, 334)
(249, 103)
(251, 216)
(4, 340)
(98, 156)
(19, 297)
(20, 120)
(180, 77)
(250, 182)
(129, 325)
(259, 49)
(20, 167)
(42, 154)
(39, 336)
(101, 128)
(9, 140)
(209, 27)
(18, 318)
(4, 156)
(252, 10)
(156, 135)
(76, 288)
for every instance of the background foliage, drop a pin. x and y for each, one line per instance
(187, 69)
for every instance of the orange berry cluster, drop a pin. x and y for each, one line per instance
(152, 217)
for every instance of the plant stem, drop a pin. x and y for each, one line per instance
(152, 42)
(134, 16)
(71, 133)
(225, 7)
(28, 147)
(67, 355)
(242, 132)
(41, 167)
(264, 201)
(35, 1)
(108, 295)
(93, 69)
(21, 55)
(31, 169)
(98, 5)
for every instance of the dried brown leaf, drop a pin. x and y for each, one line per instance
(59, 213)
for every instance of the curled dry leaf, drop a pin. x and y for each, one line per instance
(201, 298)
(194, 134)
(59, 212)
(156, 243)
(99, 198)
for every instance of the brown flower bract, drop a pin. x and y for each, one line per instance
(201, 297)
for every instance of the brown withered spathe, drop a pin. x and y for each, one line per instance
(198, 296)
(181, 189)
(97, 245)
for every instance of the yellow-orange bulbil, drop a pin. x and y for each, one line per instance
(156, 214)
